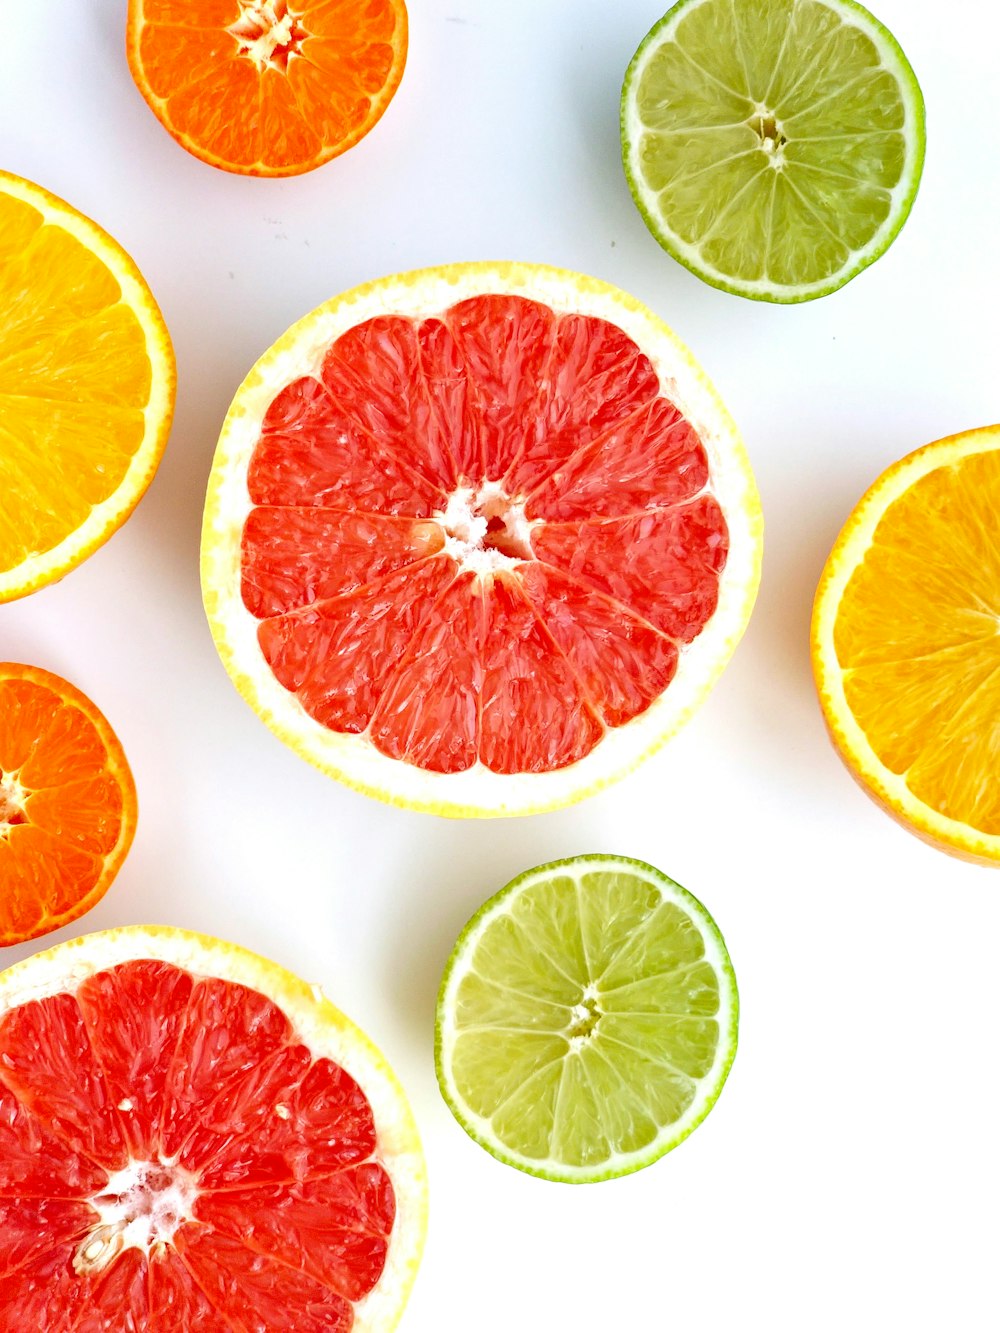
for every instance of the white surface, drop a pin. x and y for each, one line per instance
(848, 1176)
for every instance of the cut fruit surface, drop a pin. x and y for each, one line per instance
(773, 147)
(67, 803)
(86, 387)
(587, 1019)
(906, 643)
(267, 87)
(478, 538)
(193, 1139)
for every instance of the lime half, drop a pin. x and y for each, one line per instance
(587, 1019)
(774, 147)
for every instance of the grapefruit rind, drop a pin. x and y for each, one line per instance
(379, 103)
(116, 765)
(320, 1026)
(107, 517)
(477, 792)
(710, 1086)
(888, 789)
(904, 193)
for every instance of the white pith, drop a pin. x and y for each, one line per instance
(107, 516)
(137, 1210)
(261, 29)
(848, 553)
(318, 1025)
(709, 1086)
(354, 759)
(901, 194)
(465, 519)
(13, 795)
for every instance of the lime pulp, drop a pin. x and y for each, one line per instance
(587, 1019)
(774, 147)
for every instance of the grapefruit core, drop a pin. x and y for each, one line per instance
(191, 1138)
(478, 538)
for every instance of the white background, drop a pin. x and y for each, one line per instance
(848, 1176)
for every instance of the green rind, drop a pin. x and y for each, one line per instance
(783, 295)
(728, 1039)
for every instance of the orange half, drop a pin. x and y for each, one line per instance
(906, 643)
(67, 803)
(86, 387)
(264, 87)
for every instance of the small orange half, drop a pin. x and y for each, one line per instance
(67, 803)
(906, 643)
(267, 87)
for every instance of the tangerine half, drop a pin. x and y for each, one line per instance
(264, 87)
(67, 803)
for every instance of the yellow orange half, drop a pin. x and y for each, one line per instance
(906, 643)
(86, 387)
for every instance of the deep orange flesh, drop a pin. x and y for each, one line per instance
(267, 86)
(67, 803)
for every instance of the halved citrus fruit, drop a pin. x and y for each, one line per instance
(267, 87)
(193, 1139)
(67, 803)
(86, 387)
(587, 1019)
(478, 538)
(774, 147)
(906, 643)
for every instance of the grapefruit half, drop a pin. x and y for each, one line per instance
(193, 1139)
(478, 538)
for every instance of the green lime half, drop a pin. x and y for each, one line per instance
(774, 147)
(587, 1019)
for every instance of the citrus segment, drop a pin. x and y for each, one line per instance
(774, 148)
(264, 87)
(295, 557)
(67, 803)
(905, 644)
(86, 387)
(622, 663)
(337, 655)
(312, 451)
(596, 377)
(654, 459)
(229, 1169)
(663, 565)
(586, 1019)
(471, 531)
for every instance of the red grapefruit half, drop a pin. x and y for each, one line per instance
(192, 1139)
(478, 538)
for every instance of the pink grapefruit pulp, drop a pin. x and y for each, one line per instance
(479, 538)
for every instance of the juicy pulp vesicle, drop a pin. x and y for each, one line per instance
(171, 1153)
(480, 537)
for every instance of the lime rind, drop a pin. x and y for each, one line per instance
(708, 1087)
(903, 193)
